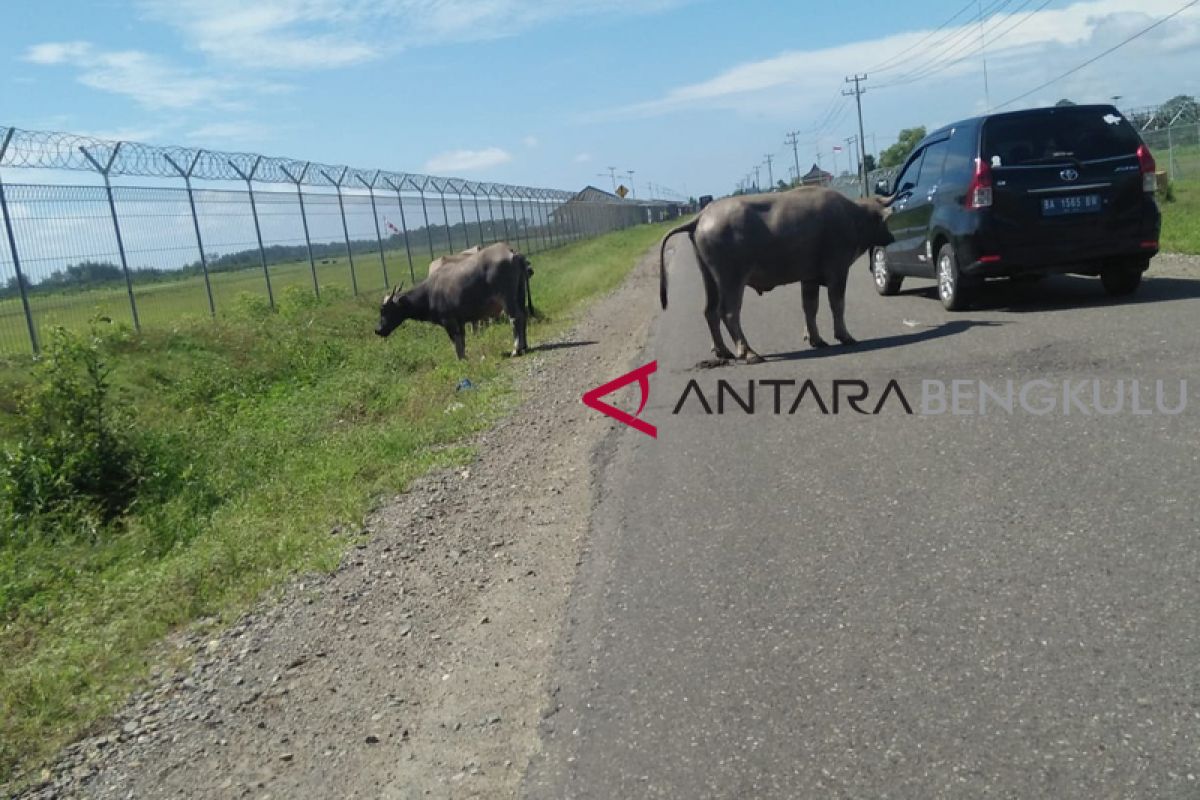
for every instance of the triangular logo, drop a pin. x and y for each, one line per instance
(642, 376)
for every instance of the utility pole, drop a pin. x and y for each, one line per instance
(858, 92)
(792, 139)
(850, 142)
(771, 172)
(612, 174)
(629, 172)
(756, 186)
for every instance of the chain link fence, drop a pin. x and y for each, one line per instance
(1176, 150)
(152, 256)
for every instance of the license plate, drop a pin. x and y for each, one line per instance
(1078, 204)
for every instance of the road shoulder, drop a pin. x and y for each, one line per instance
(419, 667)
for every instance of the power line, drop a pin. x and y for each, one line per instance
(887, 63)
(954, 42)
(934, 67)
(1096, 58)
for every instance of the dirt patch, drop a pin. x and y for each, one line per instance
(418, 668)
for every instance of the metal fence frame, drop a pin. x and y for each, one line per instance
(540, 218)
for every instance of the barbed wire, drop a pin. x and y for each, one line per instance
(68, 151)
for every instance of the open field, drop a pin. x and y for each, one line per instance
(165, 303)
(282, 427)
(1181, 218)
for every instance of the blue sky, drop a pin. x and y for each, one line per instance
(690, 94)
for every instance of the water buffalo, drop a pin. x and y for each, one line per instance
(811, 235)
(464, 290)
(437, 263)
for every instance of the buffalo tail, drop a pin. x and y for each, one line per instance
(690, 229)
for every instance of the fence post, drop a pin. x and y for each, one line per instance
(345, 230)
(1170, 155)
(532, 211)
(187, 180)
(12, 248)
(403, 225)
(492, 214)
(425, 211)
(375, 215)
(478, 218)
(503, 216)
(312, 264)
(462, 211)
(262, 253)
(445, 217)
(112, 208)
(540, 206)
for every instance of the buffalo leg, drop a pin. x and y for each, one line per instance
(810, 298)
(458, 336)
(712, 315)
(837, 304)
(731, 311)
(516, 312)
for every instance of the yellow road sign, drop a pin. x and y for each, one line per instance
(622, 191)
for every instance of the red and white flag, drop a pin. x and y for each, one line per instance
(390, 226)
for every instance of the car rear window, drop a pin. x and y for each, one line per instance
(1059, 134)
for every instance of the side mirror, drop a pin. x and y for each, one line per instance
(882, 188)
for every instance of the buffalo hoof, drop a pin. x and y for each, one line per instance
(847, 339)
(817, 342)
(754, 358)
(723, 354)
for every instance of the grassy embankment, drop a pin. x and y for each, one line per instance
(251, 437)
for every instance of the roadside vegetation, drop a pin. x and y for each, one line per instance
(147, 481)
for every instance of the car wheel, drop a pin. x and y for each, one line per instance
(886, 283)
(1121, 281)
(951, 290)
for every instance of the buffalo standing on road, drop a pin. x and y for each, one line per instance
(464, 290)
(811, 235)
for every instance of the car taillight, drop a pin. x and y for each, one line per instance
(979, 193)
(1147, 166)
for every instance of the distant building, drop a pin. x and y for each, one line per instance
(816, 177)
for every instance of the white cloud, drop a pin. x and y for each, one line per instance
(583, 158)
(1017, 40)
(456, 161)
(322, 34)
(57, 52)
(149, 80)
(531, 141)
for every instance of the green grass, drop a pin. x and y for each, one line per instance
(1181, 218)
(166, 303)
(282, 425)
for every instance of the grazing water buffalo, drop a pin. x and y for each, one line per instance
(466, 290)
(811, 235)
(437, 263)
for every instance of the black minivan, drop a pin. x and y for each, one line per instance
(1023, 194)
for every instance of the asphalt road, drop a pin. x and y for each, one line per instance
(893, 605)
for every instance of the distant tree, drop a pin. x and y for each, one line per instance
(1064, 102)
(895, 155)
(870, 162)
(782, 185)
(1180, 108)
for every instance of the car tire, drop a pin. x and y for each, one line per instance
(1121, 281)
(952, 289)
(886, 283)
